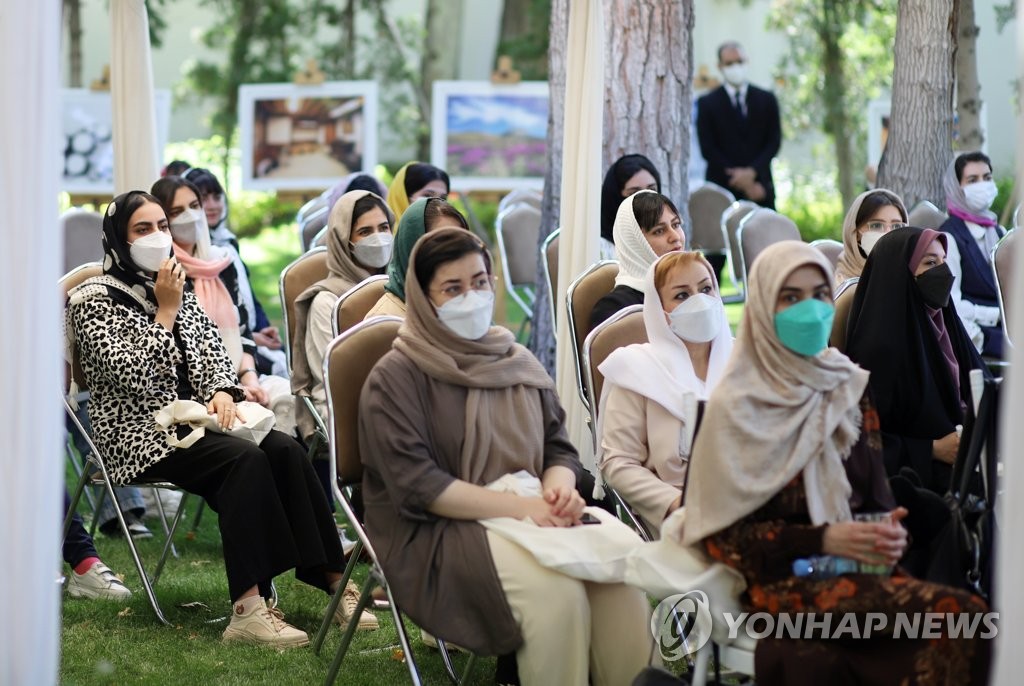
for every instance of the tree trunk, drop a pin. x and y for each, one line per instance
(73, 17)
(837, 119)
(919, 147)
(440, 57)
(542, 336)
(649, 88)
(348, 35)
(968, 90)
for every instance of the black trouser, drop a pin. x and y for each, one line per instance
(78, 543)
(273, 514)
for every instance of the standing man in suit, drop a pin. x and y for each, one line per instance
(739, 130)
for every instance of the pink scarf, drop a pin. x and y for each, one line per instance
(210, 290)
(968, 217)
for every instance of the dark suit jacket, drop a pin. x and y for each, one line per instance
(727, 140)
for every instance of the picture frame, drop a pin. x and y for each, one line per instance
(306, 137)
(87, 126)
(490, 137)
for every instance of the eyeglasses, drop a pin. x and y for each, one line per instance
(483, 283)
(884, 226)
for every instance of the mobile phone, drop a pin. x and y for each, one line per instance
(588, 518)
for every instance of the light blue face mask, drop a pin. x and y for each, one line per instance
(806, 326)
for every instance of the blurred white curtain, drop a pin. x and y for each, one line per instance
(581, 183)
(136, 158)
(1009, 593)
(31, 247)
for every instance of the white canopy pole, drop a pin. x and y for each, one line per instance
(581, 184)
(136, 158)
(31, 424)
(1010, 554)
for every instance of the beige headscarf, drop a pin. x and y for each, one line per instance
(502, 376)
(343, 272)
(852, 260)
(634, 254)
(774, 415)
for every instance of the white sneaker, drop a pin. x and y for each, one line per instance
(97, 582)
(347, 607)
(263, 625)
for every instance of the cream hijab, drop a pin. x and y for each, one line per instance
(774, 415)
(852, 260)
(501, 376)
(634, 253)
(661, 369)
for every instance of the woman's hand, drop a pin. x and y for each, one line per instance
(170, 284)
(222, 405)
(565, 501)
(268, 337)
(542, 513)
(256, 394)
(946, 448)
(868, 542)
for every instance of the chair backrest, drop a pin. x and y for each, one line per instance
(314, 224)
(843, 302)
(83, 231)
(305, 271)
(625, 327)
(519, 196)
(1003, 257)
(584, 292)
(310, 207)
(518, 231)
(758, 230)
(549, 261)
(730, 225)
(1018, 215)
(347, 363)
(355, 303)
(75, 277)
(926, 215)
(319, 240)
(829, 248)
(707, 203)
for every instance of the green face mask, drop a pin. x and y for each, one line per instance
(806, 326)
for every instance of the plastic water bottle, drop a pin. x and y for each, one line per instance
(824, 567)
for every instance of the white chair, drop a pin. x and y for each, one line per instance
(831, 249)
(926, 215)
(518, 233)
(730, 224)
(519, 196)
(1003, 265)
(593, 284)
(707, 204)
(549, 263)
(354, 304)
(758, 230)
(83, 232)
(313, 225)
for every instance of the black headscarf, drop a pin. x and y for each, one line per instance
(614, 181)
(117, 259)
(891, 334)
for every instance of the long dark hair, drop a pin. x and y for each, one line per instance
(420, 174)
(442, 247)
(615, 181)
(165, 189)
(436, 209)
(647, 209)
(875, 202)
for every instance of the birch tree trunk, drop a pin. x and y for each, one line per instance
(440, 57)
(649, 94)
(968, 89)
(919, 147)
(542, 336)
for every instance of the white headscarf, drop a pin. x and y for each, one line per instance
(661, 369)
(634, 253)
(774, 415)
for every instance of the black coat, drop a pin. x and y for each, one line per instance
(729, 140)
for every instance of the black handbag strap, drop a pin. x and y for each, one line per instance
(982, 430)
(701, 406)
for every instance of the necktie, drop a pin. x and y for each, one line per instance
(738, 104)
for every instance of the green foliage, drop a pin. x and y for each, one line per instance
(251, 213)
(266, 255)
(866, 34)
(529, 49)
(812, 202)
(1004, 15)
(1005, 186)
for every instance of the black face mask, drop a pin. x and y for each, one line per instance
(934, 286)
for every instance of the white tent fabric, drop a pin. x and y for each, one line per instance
(581, 179)
(30, 356)
(1010, 597)
(136, 158)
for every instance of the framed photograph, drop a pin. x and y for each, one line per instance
(490, 137)
(87, 124)
(306, 137)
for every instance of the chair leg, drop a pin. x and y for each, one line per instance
(350, 630)
(403, 638)
(199, 515)
(325, 625)
(700, 667)
(162, 516)
(449, 667)
(79, 489)
(169, 542)
(96, 510)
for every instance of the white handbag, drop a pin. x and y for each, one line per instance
(258, 422)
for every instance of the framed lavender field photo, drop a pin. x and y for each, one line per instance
(490, 137)
(303, 137)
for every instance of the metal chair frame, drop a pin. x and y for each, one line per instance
(546, 268)
(524, 295)
(577, 353)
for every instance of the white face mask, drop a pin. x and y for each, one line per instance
(868, 240)
(468, 315)
(187, 225)
(735, 74)
(980, 195)
(698, 319)
(150, 251)
(374, 251)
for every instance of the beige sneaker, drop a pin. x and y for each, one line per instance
(347, 606)
(263, 626)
